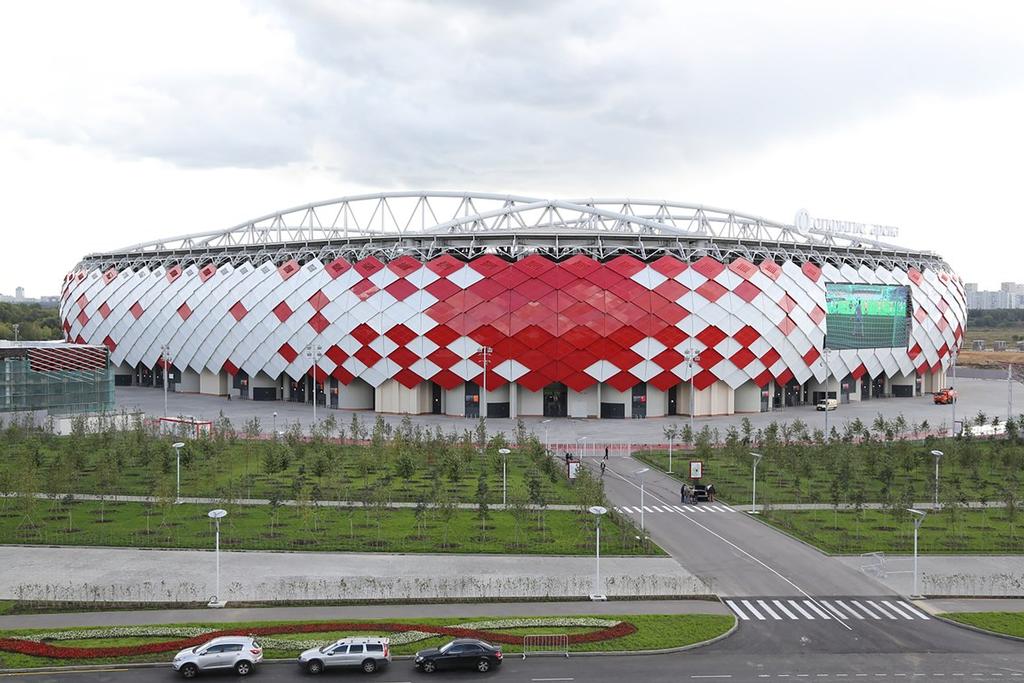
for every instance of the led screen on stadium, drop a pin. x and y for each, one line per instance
(862, 316)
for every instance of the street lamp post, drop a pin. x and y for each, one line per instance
(216, 516)
(504, 479)
(753, 491)
(165, 358)
(918, 518)
(485, 351)
(827, 382)
(547, 444)
(597, 511)
(691, 357)
(275, 422)
(938, 456)
(316, 352)
(17, 328)
(640, 473)
(177, 453)
(671, 433)
(579, 448)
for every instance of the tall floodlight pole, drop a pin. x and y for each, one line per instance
(692, 358)
(918, 517)
(216, 516)
(938, 456)
(165, 358)
(753, 489)
(670, 433)
(504, 478)
(1009, 393)
(579, 447)
(177, 456)
(827, 381)
(485, 351)
(316, 352)
(547, 444)
(597, 511)
(952, 399)
(640, 473)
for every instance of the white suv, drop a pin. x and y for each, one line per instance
(368, 653)
(240, 653)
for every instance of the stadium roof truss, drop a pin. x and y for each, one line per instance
(427, 224)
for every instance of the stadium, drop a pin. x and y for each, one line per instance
(468, 304)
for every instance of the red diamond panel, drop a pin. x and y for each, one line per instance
(811, 356)
(817, 315)
(287, 352)
(400, 334)
(442, 289)
(407, 378)
(364, 289)
(403, 356)
(742, 358)
(622, 381)
(710, 336)
(109, 343)
(364, 334)
(104, 310)
(367, 356)
(401, 289)
(318, 300)
(771, 269)
(286, 270)
(442, 335)
(671, 336)
(534, 380)
(238, 311)
(337, 355)
(671, 290)
(578, 381)
(319, 323)
(668, 359)
(534, 265)
(746, 291)
(786, 303)
(136, 310)
(812, 271)
(443, 358)
(626, 266)
(769, 358)
(488, 265)
(669, 266)
(664, 381)
(486, 289)
(580, 265)
(230, 368)
(784, 378)
(368, 266)
(447, 379)
(786, 325)
(711, 290)
(337, 268)
(404, 265)
(183, 310)
(282, 311)
(708, 267)
(173, 273)
(342, 375)
(744, 268)
(444, 265)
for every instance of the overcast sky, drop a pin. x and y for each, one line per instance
(124, 122)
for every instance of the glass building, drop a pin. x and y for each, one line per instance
(61, 379)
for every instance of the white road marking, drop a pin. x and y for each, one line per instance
(714, 676)
(921, 615)
(864, 609)
(849, 609)
(678, 509)
(646, 509)
(768, 609)
(880, 609)
(737, 610)
(834, 611)
(552, 679)
(801, 610)
(727, 508)
(896, 609)
(740, 550)
(785, 611)
(822, 613)
(752, 609)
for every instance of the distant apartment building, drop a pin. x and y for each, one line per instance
(20, 298)
(1009, 295)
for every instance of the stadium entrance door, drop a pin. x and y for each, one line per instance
(556, 400)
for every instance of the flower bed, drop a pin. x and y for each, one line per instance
(35, 645)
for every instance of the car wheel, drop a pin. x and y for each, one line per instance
(369, 666)
(484, 665)
(189, 671)
(315, 666)
(243, 668)
(429, 666)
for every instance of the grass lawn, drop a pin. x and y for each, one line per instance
(806, 473)
(653, 632)
(310, 528)
(1010, 623)
(846, 532)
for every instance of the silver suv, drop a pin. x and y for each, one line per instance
(240, 653)
(368, 653)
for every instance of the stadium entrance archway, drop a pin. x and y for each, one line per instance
(556, 400)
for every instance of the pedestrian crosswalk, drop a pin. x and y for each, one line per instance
(845, 609)
(696, 509)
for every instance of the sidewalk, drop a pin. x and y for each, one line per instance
(265, 501)
(85, 574)
(973, 605)
(413, 611)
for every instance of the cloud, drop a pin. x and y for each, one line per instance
(439, 93)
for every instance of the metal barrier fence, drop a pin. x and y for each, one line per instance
(546, 644)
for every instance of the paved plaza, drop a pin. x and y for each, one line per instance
(986, 395)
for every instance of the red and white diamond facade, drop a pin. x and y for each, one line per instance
(585, 308)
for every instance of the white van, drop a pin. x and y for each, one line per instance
(828, 404)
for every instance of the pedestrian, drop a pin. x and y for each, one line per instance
(711, 493)
(605, 452)
(682, 494)
(602, 468)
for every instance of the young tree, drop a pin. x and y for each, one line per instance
(483, 511)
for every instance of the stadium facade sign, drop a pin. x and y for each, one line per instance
(804, 222)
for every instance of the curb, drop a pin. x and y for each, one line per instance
(976, 629)
(154, 665)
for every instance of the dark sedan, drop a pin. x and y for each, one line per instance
(462, 653)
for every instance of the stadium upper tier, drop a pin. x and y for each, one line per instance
(611, 307)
